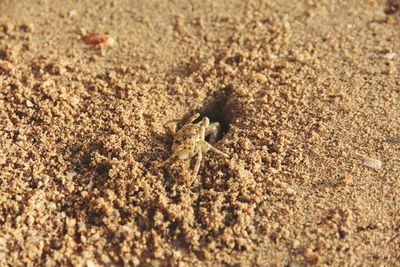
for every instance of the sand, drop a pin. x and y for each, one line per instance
(307, 93)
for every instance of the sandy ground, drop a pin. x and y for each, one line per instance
(307, 93)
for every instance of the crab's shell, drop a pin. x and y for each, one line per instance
(185, 141)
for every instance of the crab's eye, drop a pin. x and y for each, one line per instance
(205, 121)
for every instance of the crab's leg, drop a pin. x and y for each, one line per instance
(187, 163)
(165, 161)
(192, 118)
(206, 146)
(198, 161)
(214, 130)
(203, 130)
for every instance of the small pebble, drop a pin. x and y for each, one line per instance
(390, 55)
(90, 263)
(72, 13)
(372, 163)
(290, 191)
(110, 41)
(71, 175)
(29, 104)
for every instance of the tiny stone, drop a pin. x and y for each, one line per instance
(372, 163)
(71, 175)
(29, 104)
(290, 191)
(260, 77)
(390, 55)
(83, 31)
(72, 13)
(90, 263)
(110, 41)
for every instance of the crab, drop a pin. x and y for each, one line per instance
(190, 141)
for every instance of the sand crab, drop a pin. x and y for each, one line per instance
(190, 141)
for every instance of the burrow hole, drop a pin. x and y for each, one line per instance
(213, 108)
(392, 7)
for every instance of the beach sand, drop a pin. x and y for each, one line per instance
(306, 92)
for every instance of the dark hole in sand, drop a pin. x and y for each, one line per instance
(213, 108)
(392, 7)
